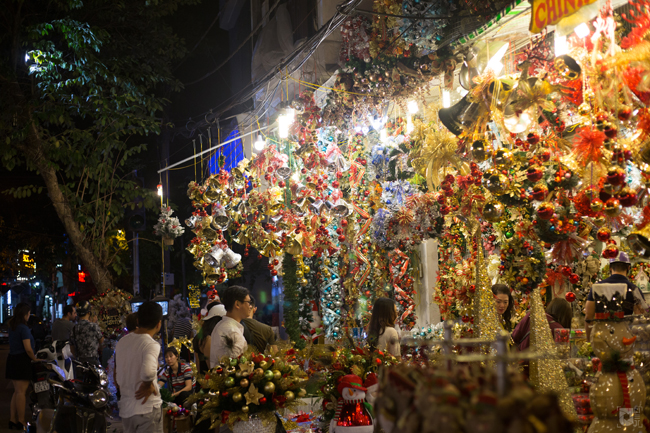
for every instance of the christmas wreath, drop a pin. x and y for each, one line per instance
(523, 265)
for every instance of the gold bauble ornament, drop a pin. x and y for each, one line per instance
(480, 150)
(302, 392)
(245, 409)
(236, 397)
(289, 396)
(613, 207)
(493, 211)
(269, 388)
(584, 109)
(264, 365)
(300, 273)
(229, 382)
(306, 269)
(258, 373)
(238, 374)
(495, 181)
(244, 383)
(502, 158)
(268, 375)
(277, 375)
(599, 221)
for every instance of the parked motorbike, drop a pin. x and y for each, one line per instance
(81, 404)
(54, 362)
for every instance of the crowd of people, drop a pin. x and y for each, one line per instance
(227, 329)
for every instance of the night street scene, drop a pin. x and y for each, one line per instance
(325, 216)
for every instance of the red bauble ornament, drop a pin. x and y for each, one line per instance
(624, 114)
(335, 184)
(604, 233)
(545, 210)
(566, 271)
(627, 197)
(570, 296)
(544, 155)
(342, 238)
(574, 278)
(532, 138)
(344, 223)
(610, 252)
(539, 192)
(534, 173)
(616, 176)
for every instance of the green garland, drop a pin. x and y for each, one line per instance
(291, 293)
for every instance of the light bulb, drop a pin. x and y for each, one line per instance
(561, 46)
(259, 144)
(495, 62)
(283, 125)
(412, 107)
(446, 99)
(409, 124)
(582, 30)
(159, 187)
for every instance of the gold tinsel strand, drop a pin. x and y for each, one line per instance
(546, 375)
(485, 309)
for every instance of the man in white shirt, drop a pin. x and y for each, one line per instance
(227, 338)
(136, 368)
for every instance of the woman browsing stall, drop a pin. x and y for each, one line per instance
(381, 329)
(505, 305)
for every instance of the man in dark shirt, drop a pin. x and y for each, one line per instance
(63, 327)
(257, 334)
(634, 300)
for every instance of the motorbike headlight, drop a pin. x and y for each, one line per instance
(98, 398)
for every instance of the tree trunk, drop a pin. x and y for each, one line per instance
(32, 149)
(100, 275)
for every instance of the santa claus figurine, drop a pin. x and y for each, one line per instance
(352, 414)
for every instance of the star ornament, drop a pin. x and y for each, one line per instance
(247, 368)
(253, 396)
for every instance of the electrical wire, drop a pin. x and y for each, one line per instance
(290, 64)
(222, 64)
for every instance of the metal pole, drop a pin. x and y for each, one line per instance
(502, 351)
(136, 264)
(183, 267)
(447, 344)
(239, 137)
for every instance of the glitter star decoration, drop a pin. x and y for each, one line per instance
(253, 396)
(246, 368)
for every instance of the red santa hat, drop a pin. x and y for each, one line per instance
(350, 381)
(371, 380)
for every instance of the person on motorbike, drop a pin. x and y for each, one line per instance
(177, 375)
(86, 336)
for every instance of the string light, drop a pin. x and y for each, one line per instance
(259, 143)
(160, 191)
(561, 46)
(446, 99)
(582, 30)
(283, 126)
(409, 124)
(495, 62)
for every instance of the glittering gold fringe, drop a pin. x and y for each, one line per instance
(546, 375)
